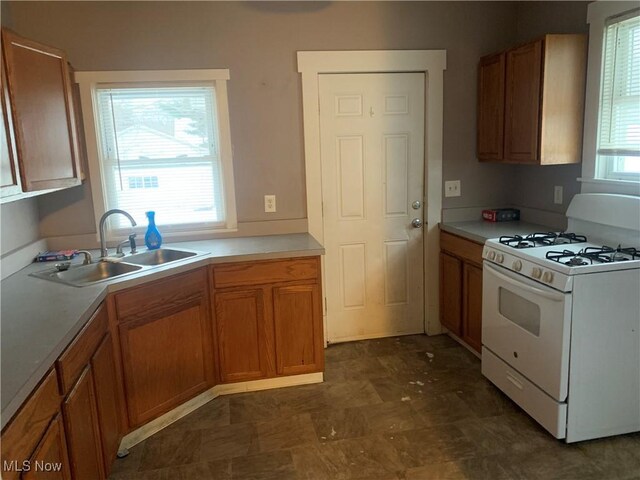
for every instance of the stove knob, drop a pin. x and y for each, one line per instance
(536, 272)
(499, 258)
(547, 277)
(491, 255)
(517, 265)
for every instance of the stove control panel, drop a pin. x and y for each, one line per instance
(528, 268)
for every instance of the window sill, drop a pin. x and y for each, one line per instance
(602, 185)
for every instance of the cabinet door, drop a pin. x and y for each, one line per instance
(451, 293)
(107, 400)
(243, 335)
(297, 315)
(50, 460)
(491, 107)
(43, 114)
(523, 97)
(9, 179)
(82, 429)
(472, 310)
(167, 358)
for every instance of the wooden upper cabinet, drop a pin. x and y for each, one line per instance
(9, 178)
(42, 112)
(522, 103)
(542, 85)
(491, 107)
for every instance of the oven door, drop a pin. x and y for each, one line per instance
(527, 325)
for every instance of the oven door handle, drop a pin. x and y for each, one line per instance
(551, 295)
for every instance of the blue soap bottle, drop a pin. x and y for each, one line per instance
(152, 238)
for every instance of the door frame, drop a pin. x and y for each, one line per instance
(311, 64)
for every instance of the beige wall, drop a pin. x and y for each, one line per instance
(258, 43)
(18, 224)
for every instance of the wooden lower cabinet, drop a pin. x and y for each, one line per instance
(297, 318)
(82, 429)
(243, 336)
(107, 400)
(268, 317)
(461, 288)
(167, 349)
(472, 308)
(451, 293)
(50, 460)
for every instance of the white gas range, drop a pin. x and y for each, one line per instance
(561, 319)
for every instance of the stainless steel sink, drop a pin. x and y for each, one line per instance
(159, 256)
(83, 275)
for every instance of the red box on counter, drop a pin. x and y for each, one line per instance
(501, 214)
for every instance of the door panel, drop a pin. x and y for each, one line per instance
(451, 293)
(372, 144)
(298, 329)
(107, 399)
(82, 429)
(472, 310)
(242, 335)
(51, 453)
(43, 114)
(9, 178)
(166, 359)
(523, 98)
(491, 107)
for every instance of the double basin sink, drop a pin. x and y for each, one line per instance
(84, 275)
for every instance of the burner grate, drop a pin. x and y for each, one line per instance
(538, 239)
(589, 255)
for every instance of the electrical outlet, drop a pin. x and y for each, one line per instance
(557, 194)
(452, 188)
(269, 203)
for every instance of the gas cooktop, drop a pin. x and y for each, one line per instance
(541, 239)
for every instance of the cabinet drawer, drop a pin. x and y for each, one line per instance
(78, 354)
(268, 271)
(23, 434)
(461, 248)
(161, 295)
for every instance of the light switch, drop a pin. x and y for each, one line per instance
(557, 194)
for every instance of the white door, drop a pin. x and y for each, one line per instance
(372, 153)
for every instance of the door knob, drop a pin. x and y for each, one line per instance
(416, 205)
(416, 222)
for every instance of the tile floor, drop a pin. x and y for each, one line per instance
(411, 407)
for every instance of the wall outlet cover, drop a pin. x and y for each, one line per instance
(270, 203)
(452, 188)
(557, 194)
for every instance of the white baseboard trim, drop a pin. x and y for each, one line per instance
(154, 426)
(18, 259)
(355, 338)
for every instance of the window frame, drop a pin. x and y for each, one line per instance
(90, 82)
(592, 178)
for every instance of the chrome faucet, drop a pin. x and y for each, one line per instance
(104, 251)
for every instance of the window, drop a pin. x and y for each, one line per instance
(162, 144)
(618, 150)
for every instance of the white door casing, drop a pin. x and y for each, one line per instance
(433, 63)
(372, 154)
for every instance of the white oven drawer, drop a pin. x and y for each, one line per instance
(549, 413)
(528, 325)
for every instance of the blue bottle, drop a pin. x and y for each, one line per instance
(152, 238)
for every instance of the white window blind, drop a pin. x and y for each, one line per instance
(160, 152)
(619, 124)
